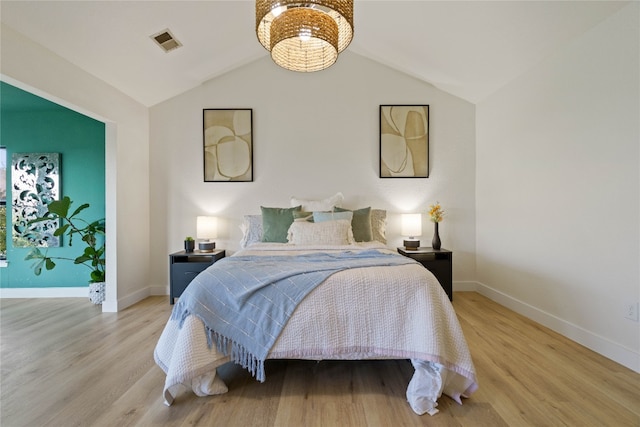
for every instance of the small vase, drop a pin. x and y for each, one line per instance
(189, 245)
(435, 242)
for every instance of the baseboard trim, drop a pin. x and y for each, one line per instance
(465, 286)
(132, 298)
(75, 292)
(618, 353)
(159, 290)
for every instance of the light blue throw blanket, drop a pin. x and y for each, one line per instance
(246, 301)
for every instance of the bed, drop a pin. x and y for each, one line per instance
(349, 301)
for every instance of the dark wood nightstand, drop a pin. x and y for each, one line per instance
(437, 261)
(185, 266)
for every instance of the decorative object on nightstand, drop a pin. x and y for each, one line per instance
(435, 242)
(185, 266)
(207, 228)
(411, 227)
(436, 214)
(189, 244)
(437, 261)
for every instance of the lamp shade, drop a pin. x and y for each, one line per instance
(411, 225)
(207, 227)
(304, 35)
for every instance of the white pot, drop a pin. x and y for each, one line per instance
(96, 292)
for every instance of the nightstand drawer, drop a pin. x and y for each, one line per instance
(184, 267)
(183, 274)
(180, 271)
(434, 256)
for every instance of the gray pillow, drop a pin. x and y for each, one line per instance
(276, 223)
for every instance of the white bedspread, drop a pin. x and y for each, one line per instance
(396, 312)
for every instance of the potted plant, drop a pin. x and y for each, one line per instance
(91, 235)
(189, 244)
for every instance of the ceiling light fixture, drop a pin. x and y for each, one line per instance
(305, 35)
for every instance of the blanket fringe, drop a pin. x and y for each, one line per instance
(239, 354)
(247, 360)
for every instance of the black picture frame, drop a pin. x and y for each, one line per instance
(404, 141)
(227, 142)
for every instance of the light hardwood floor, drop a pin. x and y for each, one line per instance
(64, 363)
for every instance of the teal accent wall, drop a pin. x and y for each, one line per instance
(31, 124)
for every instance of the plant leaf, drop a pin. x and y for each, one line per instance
(60, 231)
(34, 254)
(60, 207)
(82, 259)
(80, 209)
(97, 276)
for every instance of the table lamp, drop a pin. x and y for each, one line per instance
(206, 229)
(411, 227)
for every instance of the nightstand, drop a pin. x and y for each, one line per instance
(185, 266)
(437, 261)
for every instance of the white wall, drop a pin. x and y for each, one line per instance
(34, 68)
(558, 190)
(314, 134)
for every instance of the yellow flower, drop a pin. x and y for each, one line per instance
(435, 212)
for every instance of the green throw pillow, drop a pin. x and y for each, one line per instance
(361, 224)
(276, 223)
(303, 216)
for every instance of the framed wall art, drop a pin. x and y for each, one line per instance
(404, 141)
(35, 182)
(228, 145)
(3, 203)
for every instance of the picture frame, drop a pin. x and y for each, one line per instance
(404, 141)
(3, 203)
(35, 182)
(227, 136)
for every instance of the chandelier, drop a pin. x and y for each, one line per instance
(304, 35)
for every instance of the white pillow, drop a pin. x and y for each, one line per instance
(321, 233)
(319, 205)
(379, 225)
(251, 230)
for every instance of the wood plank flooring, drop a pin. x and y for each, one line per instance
(65, 363)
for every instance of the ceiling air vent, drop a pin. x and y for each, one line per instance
(166, 40)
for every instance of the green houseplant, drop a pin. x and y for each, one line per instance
(189, 244)
(91, 235)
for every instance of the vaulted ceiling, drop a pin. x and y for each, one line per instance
(467, 48)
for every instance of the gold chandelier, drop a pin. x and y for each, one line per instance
(304, 35)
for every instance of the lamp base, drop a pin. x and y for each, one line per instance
(411, 245)
(206, 246)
